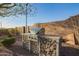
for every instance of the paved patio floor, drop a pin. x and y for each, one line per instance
(18, 50)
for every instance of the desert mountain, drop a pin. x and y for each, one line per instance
(67, 29)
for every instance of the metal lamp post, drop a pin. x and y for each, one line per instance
(26, 27)
(26, 31)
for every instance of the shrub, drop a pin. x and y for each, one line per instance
(8, 41)
(9, 35)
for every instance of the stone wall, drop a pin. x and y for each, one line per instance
(43, 45)
(49, 46)
(34, 47)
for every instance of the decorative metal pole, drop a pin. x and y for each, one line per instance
(26, 28)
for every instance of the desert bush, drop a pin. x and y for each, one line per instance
(8, 41)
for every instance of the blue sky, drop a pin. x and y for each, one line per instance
(44, 13)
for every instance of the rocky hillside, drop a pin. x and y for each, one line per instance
(68, 29)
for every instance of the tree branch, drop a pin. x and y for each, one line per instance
(7, 5)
